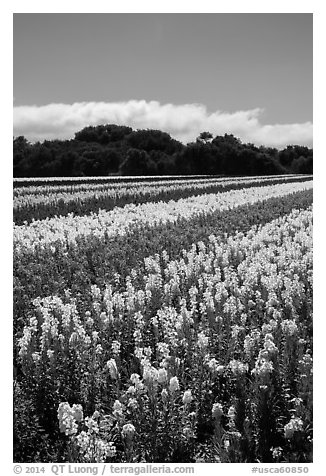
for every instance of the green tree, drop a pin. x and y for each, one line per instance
(204, 137)
(135, 163)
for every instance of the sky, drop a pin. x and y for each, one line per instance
(241, 73)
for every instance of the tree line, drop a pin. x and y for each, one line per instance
(119, 150)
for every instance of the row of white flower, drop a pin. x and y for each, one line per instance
(112, 178)
(119, 220)
(248, 288)
(232, 315)
(105, 185)
(48, 194)
(100, 177)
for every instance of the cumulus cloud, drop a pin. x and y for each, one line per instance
(183, 122)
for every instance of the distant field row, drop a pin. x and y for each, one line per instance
(115, 222)
(77, 186)
(39, 181)
(40, 202)
(26, 181)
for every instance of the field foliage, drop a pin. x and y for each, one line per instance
(174, 329)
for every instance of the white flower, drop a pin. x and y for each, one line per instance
(295, 424)
(67, 423)
(187, 397)
(174, 384)
(91, 425)
(202, 341)
(217, 411)
(162, 375)
(128, 431)
(164, 395)
(215, 367)
(131, 390)
(263, 368)
(77, 412)
(163, 350)
(113, 369)
(83, 440)
(36, 357)
(135, 379)
(117, 409)
(150, 374)
(231, 412)
(111, 450)
(270, 346)
(115, 346)
(289, 327)
(133, 404)
(237, 367)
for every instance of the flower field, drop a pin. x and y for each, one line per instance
(39, 202)
(163, 320)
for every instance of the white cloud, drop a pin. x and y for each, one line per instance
(183, 122)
